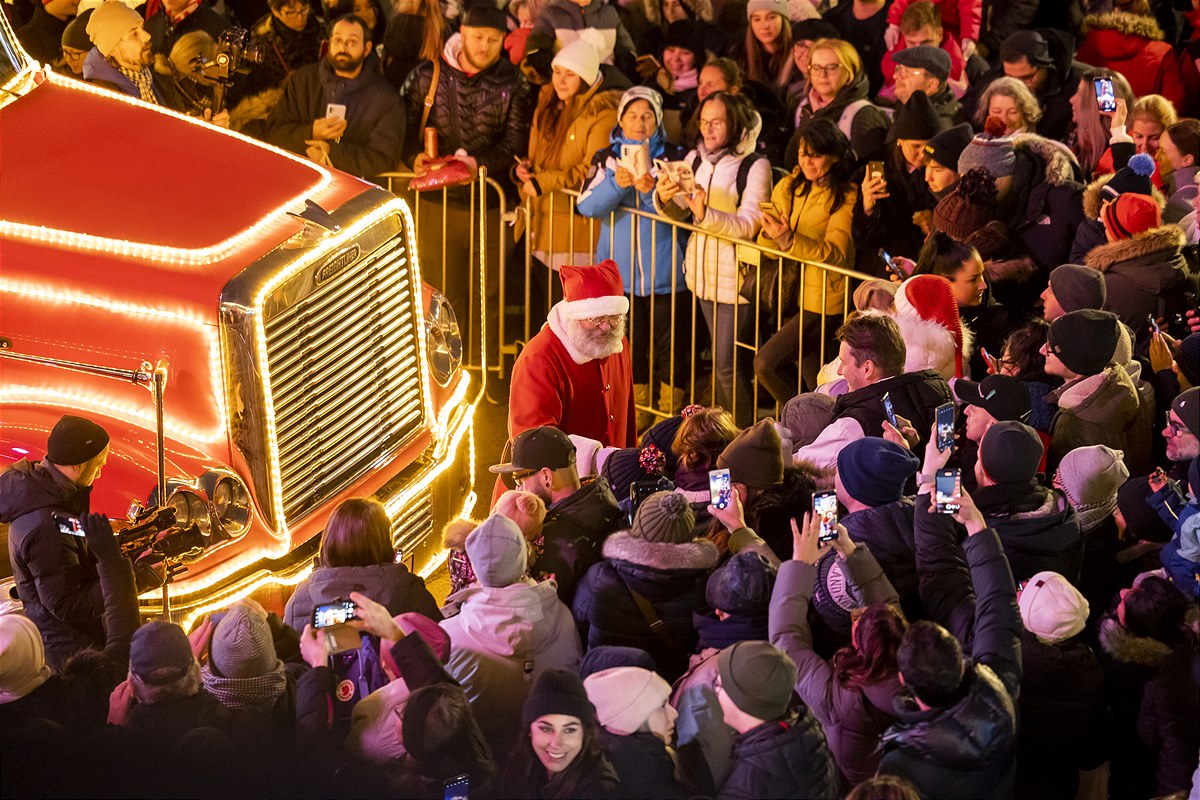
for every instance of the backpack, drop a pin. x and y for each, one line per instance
(357, 673)
(743, 173)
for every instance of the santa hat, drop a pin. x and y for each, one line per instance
(593, 291)
(929, 301)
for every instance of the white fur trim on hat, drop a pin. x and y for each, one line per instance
(610, 306)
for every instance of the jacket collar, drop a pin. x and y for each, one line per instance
(1124, 22)
(1168, 240)
(696, 554)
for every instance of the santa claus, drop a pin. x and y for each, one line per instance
(575, 373)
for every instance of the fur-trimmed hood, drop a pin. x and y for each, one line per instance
(1091, 196)
(1124, 22)
(698, 554)
(1122, 645)
(1155, 246)
(1061, 165)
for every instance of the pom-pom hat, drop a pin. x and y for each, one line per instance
(990, 149)
(971, 205)
(593, 291)
(1131, 214)
(1133, 177)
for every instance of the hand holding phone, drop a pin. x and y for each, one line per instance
(992, 364)
(335, 111)
(947, 490)
(825, 509)
(945, 426)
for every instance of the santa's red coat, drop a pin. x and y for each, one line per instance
(592, 399)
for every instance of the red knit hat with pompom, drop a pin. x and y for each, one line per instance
(932, 299)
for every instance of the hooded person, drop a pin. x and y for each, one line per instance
(651, 581)
(1098, 402)
(1037, 526)
(1064, 721)
(505, 630)
(637, 727)
(934, 336)
(575, 374)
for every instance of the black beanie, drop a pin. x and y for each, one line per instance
(689, 35)
(485, 15)
(918, 119)
(1084, 340)
(947, 146)
(558, 691)
(1011, 452)
(75, 440)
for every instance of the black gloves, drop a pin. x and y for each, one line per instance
(100, 538)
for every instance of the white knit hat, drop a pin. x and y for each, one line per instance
(625, 697)
(1051, 608)
(109, 23)
(581, 58)
(22, 657)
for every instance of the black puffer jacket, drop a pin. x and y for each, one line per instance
(672, 578)
(887, 531)
(1037, 526)
(55, 573)
(1065, 725)
(914, 396)
(644, 766)
(574, 529)
(781, 759)
(486, 114)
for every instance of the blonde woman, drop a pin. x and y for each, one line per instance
(838, 92)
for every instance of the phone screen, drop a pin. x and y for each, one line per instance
(875, 169)
(1153, 323)
(825, 509)
(945, 426)
(719, 487)
(69, 525)
(458, 788)
(947, 490)
(329, 614)
(1106, 99)
(891, 412)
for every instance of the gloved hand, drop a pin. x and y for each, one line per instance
(100, 538)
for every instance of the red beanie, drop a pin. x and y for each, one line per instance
(932, 298)
(1131, 214)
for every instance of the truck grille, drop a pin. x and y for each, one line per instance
(414, 526)
(345, 375)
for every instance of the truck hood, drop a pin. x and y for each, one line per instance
(99, 189)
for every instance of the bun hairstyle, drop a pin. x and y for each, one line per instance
(943, 255)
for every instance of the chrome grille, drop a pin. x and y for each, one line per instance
(345, 373)
(413, 526)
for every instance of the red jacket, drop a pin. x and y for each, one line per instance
(592, 399)
(1133, 46)
(961, 17)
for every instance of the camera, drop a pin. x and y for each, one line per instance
(235, 54)
(155, 530)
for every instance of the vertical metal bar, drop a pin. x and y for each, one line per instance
(160, 377)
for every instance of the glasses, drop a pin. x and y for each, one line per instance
(904, 72)
(711, 124)
(1027, 79)
(71, 54)
(612, 320)
(295, 11)
(825, 69)
(521, 477)
(1174, 428)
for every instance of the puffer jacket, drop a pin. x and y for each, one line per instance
(888, 532)
(854, 717)
(1133, 45)
(390, 585)
(573, 531)
(710, 265)
(1169, 722)
(868, 127)
(1038, 528)
(55, 574)
(671, 577)
(817, 235)
(785, 758)
(563, 21)
(565, 166)
(1098, 409)
(486, 114)
(644, 249)
(1145, 275)
(501, 640)
(1045, 205)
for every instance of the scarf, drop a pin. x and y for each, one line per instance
(685, 80)
(143, 80)
(261, 691)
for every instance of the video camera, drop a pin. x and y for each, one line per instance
(235, 54)
(155, 529)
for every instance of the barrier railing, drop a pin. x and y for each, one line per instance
(503, 304)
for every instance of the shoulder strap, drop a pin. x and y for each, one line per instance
(433, 84)
(743, 173)
(846, 120)
(657, 626)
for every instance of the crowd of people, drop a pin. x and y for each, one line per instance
(1022, 185)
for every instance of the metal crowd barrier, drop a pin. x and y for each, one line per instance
(504, 309)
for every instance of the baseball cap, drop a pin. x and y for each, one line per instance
(1002, 396)
(539, 448)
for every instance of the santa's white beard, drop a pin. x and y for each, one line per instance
(596, 343)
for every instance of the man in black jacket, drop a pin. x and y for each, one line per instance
(1044, 61)
(340, 110)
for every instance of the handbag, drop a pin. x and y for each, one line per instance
(762, 287)
(439, 173)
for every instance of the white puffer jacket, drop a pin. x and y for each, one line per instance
(710, 265)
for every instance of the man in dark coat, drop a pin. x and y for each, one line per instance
(54, 569)
(341, 110)
(42, 35)
(1044, 60)
(173, 18)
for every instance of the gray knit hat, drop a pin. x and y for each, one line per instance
(1076, 286)
(758, 677)
(642, 93)
(242, 645)
(664, 517)
(497, 551)
(1090, 477)
(991, 150)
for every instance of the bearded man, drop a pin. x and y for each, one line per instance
(341, 111)
(575, 374)
(121, 57)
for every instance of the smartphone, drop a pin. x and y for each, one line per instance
(68, 525)
(335, 110)
(990, 360)
(945, 426)
(336, 613)
(769, 208)
(1106, 99)
(875, 169)
(640, 490)
(892, 266)
(889, 410)
(1153, 324)
(457, 788)
(719, 487)
(825, 510)
(947, 489)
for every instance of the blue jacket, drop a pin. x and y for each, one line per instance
(655, 252)
(1178, 555)
(97, 70)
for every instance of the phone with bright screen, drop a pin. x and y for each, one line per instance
(947, 489)
(338, 613)
(719, 487)
(889, 410)
(825, 509)
(1106, 98)
(945, 426)
(458, 788)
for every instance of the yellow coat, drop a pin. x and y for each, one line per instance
(816, 236)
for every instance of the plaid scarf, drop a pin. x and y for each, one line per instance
(261, 691)
(143, 79)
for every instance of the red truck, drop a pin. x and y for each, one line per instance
(304, 359)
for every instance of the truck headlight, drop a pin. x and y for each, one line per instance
(231, 505)
(190, 508)
(443, 340)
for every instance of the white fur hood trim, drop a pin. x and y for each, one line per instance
(696, 554)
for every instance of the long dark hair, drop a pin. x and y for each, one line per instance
(943, 255)
(1024, 346)
(526, 776)
(822, 138)
(871, 657)
(1156, 609)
